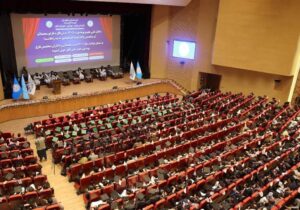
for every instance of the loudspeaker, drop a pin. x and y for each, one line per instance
(115, 87)
(74, 93)
(45, 97)
(277, 83)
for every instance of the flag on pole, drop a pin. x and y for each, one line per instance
(24, 88)
(31, 85)
(138, 71)
(132, 72)
(17, 91)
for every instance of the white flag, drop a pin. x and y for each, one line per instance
(31, 85)
(132, 72)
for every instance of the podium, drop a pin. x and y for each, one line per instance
(56, 86)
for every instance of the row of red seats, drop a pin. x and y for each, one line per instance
(23, 170)
(77, 168)
(103, 110)
(37, 180)
(15, 153)
(194, 143)
(282, 202)
(212, 177)
(257, 104)
(98, 128)
(188, 173)
(289, 121)
(241, 104)
(50, 125)
(115, 146)
(256, 194)
(185, 160)
(247, 177)
(15, 162)
(18, 199)
(30, 170)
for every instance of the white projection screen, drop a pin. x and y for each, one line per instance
(62, 42)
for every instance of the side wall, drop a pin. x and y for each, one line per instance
(198, 22)
(257, 35)
(159, 41)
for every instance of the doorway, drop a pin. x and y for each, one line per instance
(210, 81)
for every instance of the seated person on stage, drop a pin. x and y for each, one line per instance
(37, 79)
(102, 72)
(80, 74)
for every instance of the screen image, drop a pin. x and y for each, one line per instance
(184, 49)
(71, 41)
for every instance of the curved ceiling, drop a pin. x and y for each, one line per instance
(159, 2)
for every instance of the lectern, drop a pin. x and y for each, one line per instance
(56, 86)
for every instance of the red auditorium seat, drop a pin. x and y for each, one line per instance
(39, 180)
(160, 204)
(104, 207)
(46, 193)
(53, 207)
(149, 207)
(30, 195)
(15, 200)
(150, 159)
(109, 173)
(143, 175)
(108, 189)
(120, 186)
(94, 195)
(120, 156)
(172, 179)
(3, 204)
(109, 160)
(192, 188)
(120, 170)
(131, 181)
(162, 184)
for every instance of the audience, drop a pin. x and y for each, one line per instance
(209, 150)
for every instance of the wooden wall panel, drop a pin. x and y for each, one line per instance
(66, 105)
(258, 35)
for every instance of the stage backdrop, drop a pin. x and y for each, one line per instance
(62, 42)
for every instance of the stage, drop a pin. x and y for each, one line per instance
(82, 88)
(88, 94)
